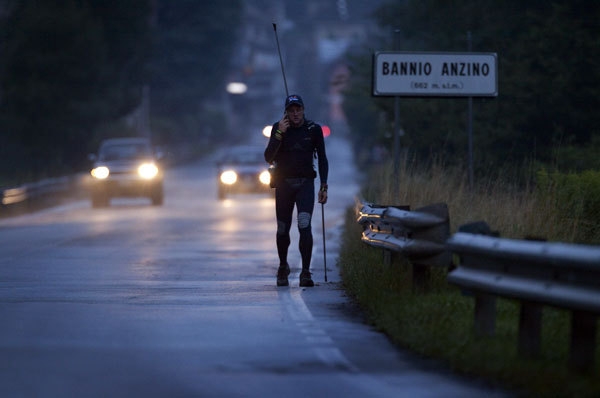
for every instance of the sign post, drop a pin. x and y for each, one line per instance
(470, 126)
(397, 126)
(427, 74)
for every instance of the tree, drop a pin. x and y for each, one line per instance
(548, 78)
(67, 67)
(53, 64)
(192, 47)
(128, 39)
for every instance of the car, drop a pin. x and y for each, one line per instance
(242, 169)
(126, 167)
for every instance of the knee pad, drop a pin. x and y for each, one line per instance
(304, 220)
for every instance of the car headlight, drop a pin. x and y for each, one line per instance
(228, 177)
(265, 177)
(148, 171)
(100, 172)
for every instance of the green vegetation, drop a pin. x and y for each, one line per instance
(576, 198)
(439, 323)
(63, 74)
(76, 71)
(536, 168)
(193, 45)
(556, 206)
(548, 84)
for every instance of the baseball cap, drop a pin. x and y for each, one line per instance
(293, 100)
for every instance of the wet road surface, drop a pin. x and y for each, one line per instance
(180, 301)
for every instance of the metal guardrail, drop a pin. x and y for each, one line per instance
(536, 273)
(395, 229)
(35, 195)
(35, 190)
(560, 274)
(418, 235)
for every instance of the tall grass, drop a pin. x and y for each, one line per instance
(439, 322)
(514, 210)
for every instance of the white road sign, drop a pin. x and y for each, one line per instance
(417, 74)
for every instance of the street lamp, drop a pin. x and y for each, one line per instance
(237, 88)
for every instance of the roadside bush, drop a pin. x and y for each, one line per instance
(576, 198)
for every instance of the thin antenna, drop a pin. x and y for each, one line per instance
(281, 60)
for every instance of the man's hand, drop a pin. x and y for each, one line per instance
(282, 127)
(323, 194)
(284, 124)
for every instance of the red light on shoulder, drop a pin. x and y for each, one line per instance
(326, 131)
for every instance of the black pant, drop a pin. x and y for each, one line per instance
(301, 193)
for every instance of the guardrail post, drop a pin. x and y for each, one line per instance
(485, 304)
(530, 329)
(530, 323)
(387, 257)
(485, 314)
(583, 341)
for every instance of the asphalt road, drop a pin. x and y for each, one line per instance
(180, 301)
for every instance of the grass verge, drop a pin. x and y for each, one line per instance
(439, 323)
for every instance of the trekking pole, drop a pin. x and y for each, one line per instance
(287, 94)
(324, 251)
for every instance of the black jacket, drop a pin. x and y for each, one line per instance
(293, 152)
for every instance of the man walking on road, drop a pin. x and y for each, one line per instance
(292, 146)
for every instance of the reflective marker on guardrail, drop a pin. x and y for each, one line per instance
(14, 195)
(419, 235)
